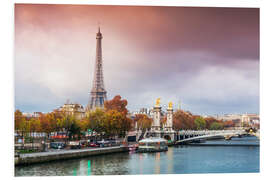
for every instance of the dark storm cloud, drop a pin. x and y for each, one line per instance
(229, 32)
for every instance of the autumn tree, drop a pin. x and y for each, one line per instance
(143, 121)
(45, 124)
(112, 122)
(228, 124)
(209, 121)
(117, 104)
(52, 121)
(84, 124)
(182, 120)
(126, 126)
(21, 125)
(35, 125)
(18, 117)
(112, 109)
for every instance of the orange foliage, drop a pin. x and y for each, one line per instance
(228, 124)
(143, 121)
(116, 104)
(183, 120)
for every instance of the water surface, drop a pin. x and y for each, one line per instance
(177, 160)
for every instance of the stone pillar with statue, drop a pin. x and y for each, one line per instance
(169, 133)
(156, 117)
(169, 122)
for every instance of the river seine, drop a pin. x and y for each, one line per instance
(241, 156)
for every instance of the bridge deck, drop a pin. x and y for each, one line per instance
(211, 134)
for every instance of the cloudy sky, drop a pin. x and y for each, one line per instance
(207, 58)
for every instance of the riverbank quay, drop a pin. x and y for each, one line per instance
(32, 158)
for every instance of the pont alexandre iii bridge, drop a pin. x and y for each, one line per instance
(185, 136)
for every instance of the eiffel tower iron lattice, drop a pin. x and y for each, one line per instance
(98, 94)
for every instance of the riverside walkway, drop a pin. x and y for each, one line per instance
(31, 158)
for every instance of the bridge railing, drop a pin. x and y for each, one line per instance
(209, 132)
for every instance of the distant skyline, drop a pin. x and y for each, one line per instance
(207, 58)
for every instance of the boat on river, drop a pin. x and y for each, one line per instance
(153, 144)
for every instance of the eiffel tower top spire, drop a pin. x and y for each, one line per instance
(99, 33)
(98, 94)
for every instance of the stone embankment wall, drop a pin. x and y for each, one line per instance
(32, 158)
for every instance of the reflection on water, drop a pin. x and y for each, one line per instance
(177, 160)
(157, 164)
(141, 163)
(170, 159)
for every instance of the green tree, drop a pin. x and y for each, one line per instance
(200, 123)
(216, 126)
(96, 120)
(67, 121)
(74, 130)
(24, 128)
(60, 124)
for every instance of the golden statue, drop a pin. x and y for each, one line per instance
(170, 105)
(158, 102)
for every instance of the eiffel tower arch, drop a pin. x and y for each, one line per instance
(98, 94)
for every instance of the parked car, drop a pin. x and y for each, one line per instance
(93, 144)
(83, 143)
(75, 145)
(114, 142)
(57, 145)
(104, 143)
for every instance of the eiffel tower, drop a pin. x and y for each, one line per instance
(98, 94)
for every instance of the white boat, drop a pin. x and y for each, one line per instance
(153, 144)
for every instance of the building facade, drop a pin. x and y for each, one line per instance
(251, 120)
(73, 109)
